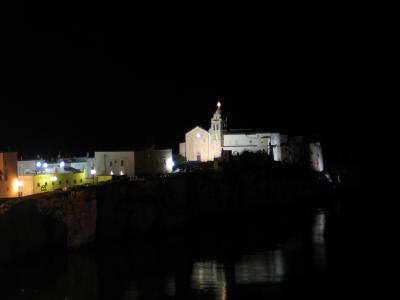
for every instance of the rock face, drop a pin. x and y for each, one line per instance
(117, 210)
(46, 221)
(130, 209)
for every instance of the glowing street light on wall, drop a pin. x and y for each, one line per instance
(170, 164)
(53, 179)
(38, 164)
(45, 165)
(93, 172)
(18, 186)
(62, 164)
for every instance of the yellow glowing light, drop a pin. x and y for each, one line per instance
(121, 173)
(15, 184)
(20, 183)
(53, 178)
(219, 104)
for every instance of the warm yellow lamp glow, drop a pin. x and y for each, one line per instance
(15, 184)
(219, 104)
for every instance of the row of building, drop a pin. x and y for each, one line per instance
(27, 177)
(207, 145)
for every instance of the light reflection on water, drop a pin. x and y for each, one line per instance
(319, 241)
(260, 268)
(208, 277)
(161, 271)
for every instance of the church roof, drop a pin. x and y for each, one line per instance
(197, 127)
(246, 131)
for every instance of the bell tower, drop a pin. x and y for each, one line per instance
(218, 125)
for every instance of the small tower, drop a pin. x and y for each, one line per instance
(218, 125)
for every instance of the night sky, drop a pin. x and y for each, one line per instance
(78, 77)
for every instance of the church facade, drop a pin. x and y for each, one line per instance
(203, 145)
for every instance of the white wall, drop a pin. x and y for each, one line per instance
(198, 142)
(26, 167)
(241, 142)
(85, 165)
(115, 161)
(182, 149)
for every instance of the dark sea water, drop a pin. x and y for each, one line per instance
(247, 259)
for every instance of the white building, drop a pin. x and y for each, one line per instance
(115, 163)
(239, 141)
(40, 166)
(203, 145)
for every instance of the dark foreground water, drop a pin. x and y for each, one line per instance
(247, 259)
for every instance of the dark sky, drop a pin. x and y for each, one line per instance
(99, 76)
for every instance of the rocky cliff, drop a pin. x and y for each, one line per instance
(46, 221)
(117, 210)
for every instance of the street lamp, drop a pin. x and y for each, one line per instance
(53, 179)
(93, 172)
(20, 187)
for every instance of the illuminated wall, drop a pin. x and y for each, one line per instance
(26, 167)
(198, 145)
(33, 184)
(182, 149)
(255, 142)
(8, 175)
(201, 145)
(115, 162)
(216, 127)
(84, 164)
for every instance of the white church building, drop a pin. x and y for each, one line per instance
(203, 145)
